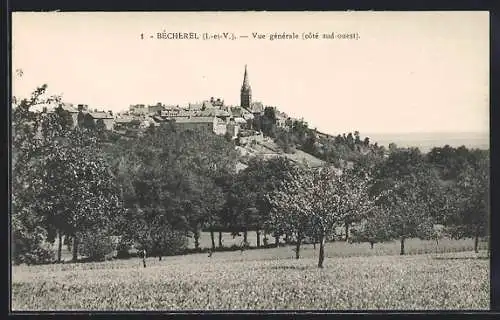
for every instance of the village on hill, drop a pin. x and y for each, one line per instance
(240, 122)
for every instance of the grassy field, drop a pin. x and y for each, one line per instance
(334, 249)
(260, 279)
(341, 248)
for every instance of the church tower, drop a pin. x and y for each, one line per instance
(246, 92)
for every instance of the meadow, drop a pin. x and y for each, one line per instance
(343, 249)
(264, 279)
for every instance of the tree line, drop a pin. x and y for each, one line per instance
(155, 191)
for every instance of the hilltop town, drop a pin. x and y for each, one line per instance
(212, 114)
(242, 122)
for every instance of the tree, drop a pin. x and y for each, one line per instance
(286, 217)
(373, 228)
(393, 147)
(411, 207)
(77, 186)
(249, 193)
(470, 217)
(317, 196)
(178, 176)
(30, 227)
(285, 141)
(62, 172)
(269, 122)
(356, 184)
(448, 161)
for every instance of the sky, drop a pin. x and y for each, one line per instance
(407, 71)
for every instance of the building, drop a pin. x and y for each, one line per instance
(207, 105)
(138, 109)
(246, 92)
(72, 111)
(233, 129)
(256, 108)
(222, 114)
(203, 123)
(154, 109)
(217, 102)
(213, 103)
(123, 123)
(83, 107)
(105, 117)
(175, 113)
(195, 106)
(220, 126)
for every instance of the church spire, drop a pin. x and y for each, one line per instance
(245, 85)
(246, 91)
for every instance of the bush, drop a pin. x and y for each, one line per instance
(27, 244)
(123, 250)
(167, 243)
(96, 245)
(37, 255)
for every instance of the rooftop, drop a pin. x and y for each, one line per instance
(101, 115)
(195, 120)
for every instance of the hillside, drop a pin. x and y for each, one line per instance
(267, 148)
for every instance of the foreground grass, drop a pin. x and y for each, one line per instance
(249, 280)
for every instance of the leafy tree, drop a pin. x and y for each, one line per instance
(96, 244)
(67, 181)
(28, 236)
(470, 217)
(286, 217)
(373, 228)
(355, 192)
(317, 196)
(448, 161)
(76, 186)
(250, 189)
(29, 227)
(413, 205)
(269, 122)
(285, 141)
(178, 176)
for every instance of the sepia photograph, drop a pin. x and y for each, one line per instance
(242, 161)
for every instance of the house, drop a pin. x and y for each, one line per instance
(123, 122)
(195, 106)
(203, 123)
(256, 108)
(175, 113)
(224, 115)
(233, 129)
(154, 109)
(83, 107)
(134, 126)
(240, 121)
(72, 111)
(207, 105)
(240, 112)
(103, 117)
(220, 126)
(138, 109)
(158, 120)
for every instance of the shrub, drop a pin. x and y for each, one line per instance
(96, 245)
(175, 243)
(123, 249)
(27, 244)
(165, 243)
